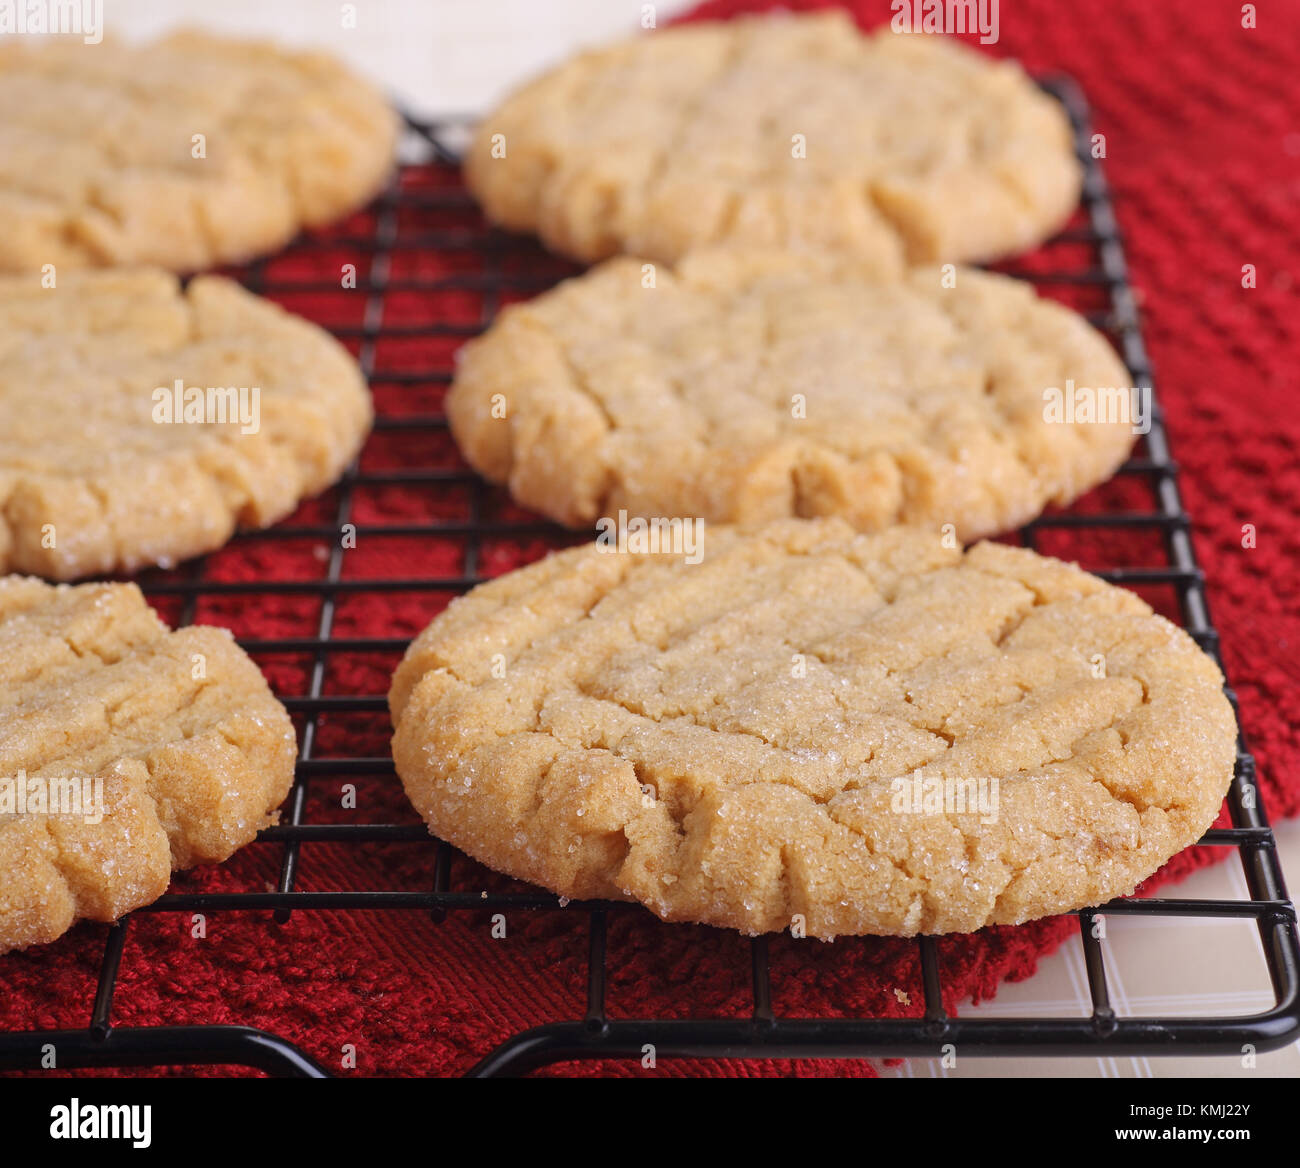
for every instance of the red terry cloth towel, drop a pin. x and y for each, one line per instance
(1203, 154)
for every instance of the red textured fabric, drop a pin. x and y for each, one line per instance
(1203, 154)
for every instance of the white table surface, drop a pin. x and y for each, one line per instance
(458, 56)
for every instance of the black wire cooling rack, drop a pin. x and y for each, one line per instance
(1087, 260)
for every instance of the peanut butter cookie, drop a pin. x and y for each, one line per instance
(127, 751)
(814, 729)
(140, 424)
(190, 152)
(780, 131)
(747, 386)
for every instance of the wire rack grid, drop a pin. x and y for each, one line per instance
(1084, 265)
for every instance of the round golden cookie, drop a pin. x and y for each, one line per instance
(780, 131)
(127, 751)
(189, 152)
(747, 386)
(130, 432)
(816, 729)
